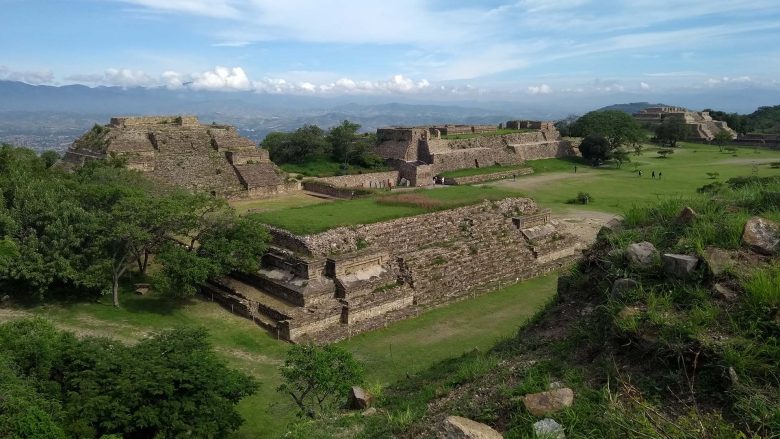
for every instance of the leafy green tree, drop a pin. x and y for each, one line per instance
(304, 144)
(665, 153)
(342, 140)
(53, 385)
(596, 149)
(617, 127)
(49, 158)
(317, 378)
(722, 138)
(671, 131)
(221, 243)
(620, 156)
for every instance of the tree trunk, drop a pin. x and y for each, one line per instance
(115, 290)
(143, 262)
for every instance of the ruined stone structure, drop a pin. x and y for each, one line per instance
(183, 152)
(420, 153)
(326, 286)
(702, 126)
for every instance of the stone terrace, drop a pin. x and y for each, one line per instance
(183, 152)
(326, 286)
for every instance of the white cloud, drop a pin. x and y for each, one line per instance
(728, 80)
(221, 78)
(116, 77)
(209, 8)
(30, 77)
(398, 84)
(607, 86)
(542, 89)
(644, 86)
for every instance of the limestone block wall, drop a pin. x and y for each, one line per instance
(472, 179)
(368, 180)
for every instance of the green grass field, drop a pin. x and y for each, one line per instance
(467, 172)
(616, 190)
(323, 216)
(389, 354)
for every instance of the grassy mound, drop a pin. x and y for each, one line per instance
(320, 217)
(669, 359)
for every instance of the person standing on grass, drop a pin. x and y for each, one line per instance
(659, 175)
(640, 172)
(653, 175)
(575, 169)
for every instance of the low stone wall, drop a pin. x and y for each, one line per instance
(472, 179)
(369, 180)
(329, 190)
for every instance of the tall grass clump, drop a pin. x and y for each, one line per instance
(763, 287)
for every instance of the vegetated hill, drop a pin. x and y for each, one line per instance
(631, 108)
(763, 120)
(647, 354)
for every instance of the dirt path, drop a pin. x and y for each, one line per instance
(534, 181)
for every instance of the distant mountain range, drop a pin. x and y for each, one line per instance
(50, 117)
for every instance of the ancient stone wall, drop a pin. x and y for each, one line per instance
(472, 179)
(368, 180)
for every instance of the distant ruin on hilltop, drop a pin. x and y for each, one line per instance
(702, 126)
(179, 150)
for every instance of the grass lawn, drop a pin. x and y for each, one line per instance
(389, 353)
(500, 132)
(616, 190)
(320, 217)
(286, 201)
(326, 168)
(468, 172)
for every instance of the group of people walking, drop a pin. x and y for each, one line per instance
(653, 174)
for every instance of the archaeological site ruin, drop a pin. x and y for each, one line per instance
(181, 151)
(701, 125)
(327, 286)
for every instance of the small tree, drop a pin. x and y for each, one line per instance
(638, 148)
(317, 378)
(722, 138)
(620, 156)
(665, 153)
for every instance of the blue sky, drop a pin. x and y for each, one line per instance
(435, 48)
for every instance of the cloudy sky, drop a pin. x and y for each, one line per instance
(496, 48)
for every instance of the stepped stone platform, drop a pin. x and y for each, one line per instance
(420, 153)
(702, 126)
(327, 286)
(180, 151)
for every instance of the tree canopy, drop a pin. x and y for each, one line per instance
(671, 131)
(54, 385)
(317, 378)
(341, 144)
(61, 232)
(617, 127)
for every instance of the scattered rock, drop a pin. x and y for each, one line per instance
(733, 375)
(456, 427)
(629, 311)
(642, 254)
(762, 235)
(5, 298)
(142, 289)
(679, 266)
(549, 429)
(718, 261)
(359, 398)
(724, 293)
(555, 385)
(622, 286)
(540, 404)
(687, 216)
(371, 411)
